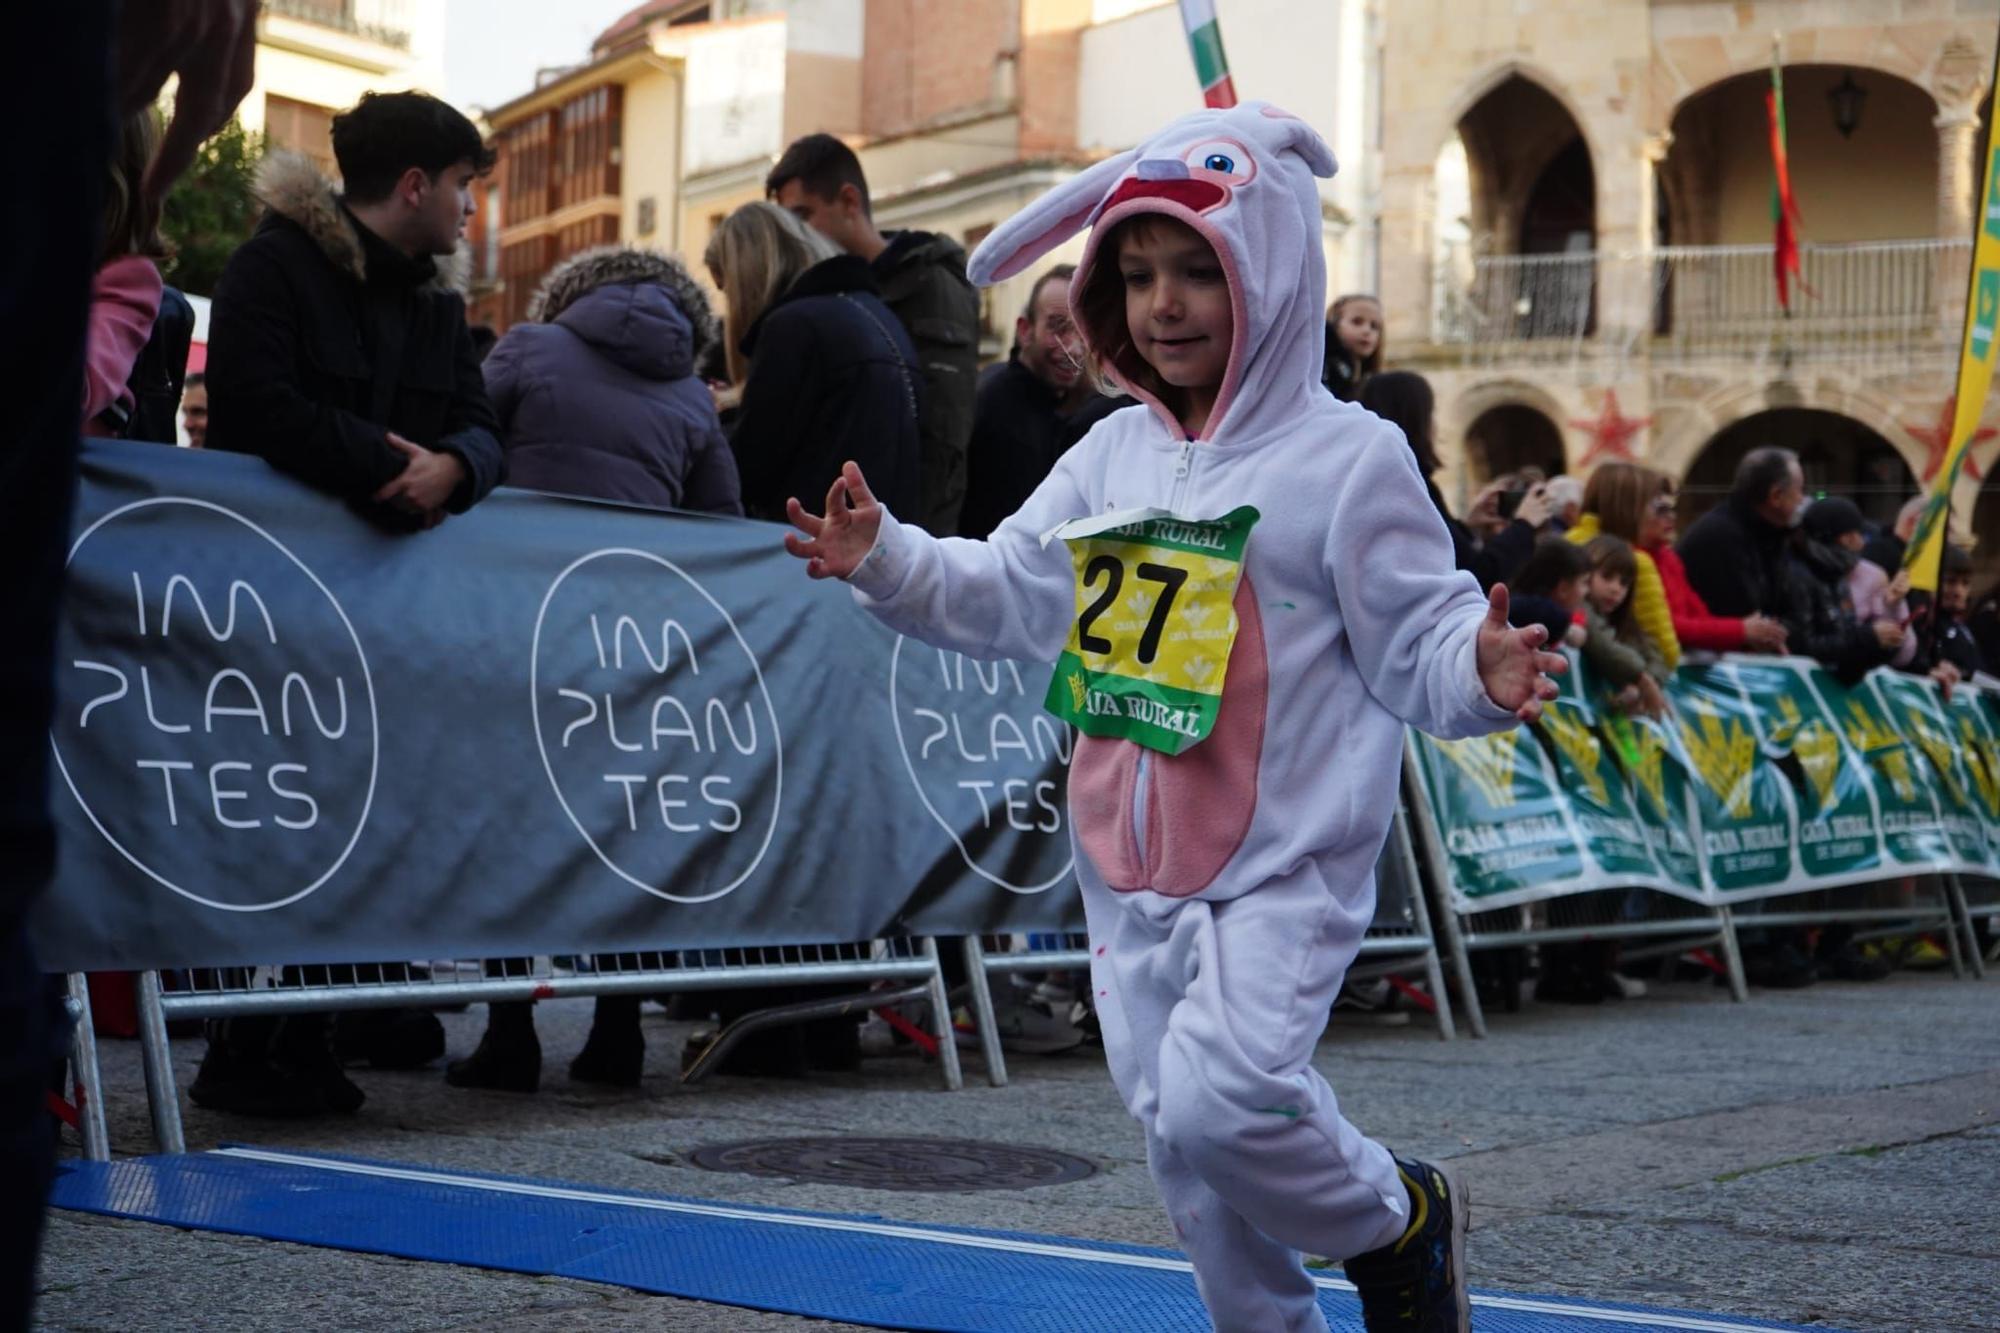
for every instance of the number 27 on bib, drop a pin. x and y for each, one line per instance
(1148, 652)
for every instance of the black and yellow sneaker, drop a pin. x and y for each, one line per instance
(1417, 1283)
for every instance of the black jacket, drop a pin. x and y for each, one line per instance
(323, 338)
(1822, 624)
(1498, 559)
(921, 277)
(832, 377)
(1339, 371)
(1740, 564)
(1947, 640)
(1018, 433)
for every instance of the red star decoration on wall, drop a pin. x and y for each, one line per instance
(1937, 441)
(1610, 432)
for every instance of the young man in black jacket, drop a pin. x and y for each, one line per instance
(921, 276)
(338, 349)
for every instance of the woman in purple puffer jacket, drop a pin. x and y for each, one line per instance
(597, 394)
(597, 397)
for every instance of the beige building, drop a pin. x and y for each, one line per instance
(1577, 232)
(316, 57)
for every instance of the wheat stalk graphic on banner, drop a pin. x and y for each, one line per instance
(1870, 735)
(1817, 747)
(1489, 762)
(1725, 754)
(1581, 746)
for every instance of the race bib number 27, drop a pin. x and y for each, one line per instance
(1148, 652)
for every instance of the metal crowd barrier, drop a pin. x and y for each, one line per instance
(1668, 924)
(241, 991)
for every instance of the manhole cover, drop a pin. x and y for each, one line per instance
(937, 1166)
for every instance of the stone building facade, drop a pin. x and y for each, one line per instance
(1576, 232)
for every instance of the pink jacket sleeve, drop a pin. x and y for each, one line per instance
(1868, 588)
(124, 302)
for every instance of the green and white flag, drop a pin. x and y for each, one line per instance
(1211, 66)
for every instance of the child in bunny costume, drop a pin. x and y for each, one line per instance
(1248, 594)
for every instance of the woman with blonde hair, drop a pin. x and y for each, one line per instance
(828, 373)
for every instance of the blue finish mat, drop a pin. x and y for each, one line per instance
(854, 1268)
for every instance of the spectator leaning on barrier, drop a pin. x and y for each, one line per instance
(1032, 407)
(1636, 505)
(1947, 650)
(920, 276)
(1620, 652)
(1695, 625)
(1737, 555)
(338, 348)
(1404, 399)
(828, 374)
(338, 351)
(596, 395)
(1828, 550)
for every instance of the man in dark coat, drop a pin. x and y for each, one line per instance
(921, 277)
(337, 347)
(1031, 408)
(338, 352)
(1738, 554)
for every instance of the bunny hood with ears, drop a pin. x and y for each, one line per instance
(1244, 179)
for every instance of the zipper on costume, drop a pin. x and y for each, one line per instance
(1183, 464)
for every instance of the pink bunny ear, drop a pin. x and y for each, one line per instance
(1046, 223)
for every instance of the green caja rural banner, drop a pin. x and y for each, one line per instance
(1768, 776)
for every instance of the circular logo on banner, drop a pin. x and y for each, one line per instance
(983, 754)
(655, 726)
(216, 720)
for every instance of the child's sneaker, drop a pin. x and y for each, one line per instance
(1417, 1284)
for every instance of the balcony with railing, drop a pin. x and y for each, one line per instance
(1871, 305)
(384, 21)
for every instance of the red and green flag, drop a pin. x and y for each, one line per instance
(1784, 208)
(1211, 66)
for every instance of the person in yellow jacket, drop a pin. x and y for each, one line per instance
(1619, 500)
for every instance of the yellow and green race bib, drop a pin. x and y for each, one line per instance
(1155, 620)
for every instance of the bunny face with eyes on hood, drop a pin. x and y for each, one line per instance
(1244, 180)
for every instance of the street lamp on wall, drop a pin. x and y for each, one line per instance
(1846, 99)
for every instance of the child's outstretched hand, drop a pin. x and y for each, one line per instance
(834, 547)
(1512, 665)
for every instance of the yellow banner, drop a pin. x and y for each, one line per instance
(1975, 370)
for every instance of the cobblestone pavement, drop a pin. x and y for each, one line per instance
(1826, 1155)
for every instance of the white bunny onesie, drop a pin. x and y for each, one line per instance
(1227, 888)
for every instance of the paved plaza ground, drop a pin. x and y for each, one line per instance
(1821, 1156)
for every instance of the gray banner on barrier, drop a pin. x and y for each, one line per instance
(285, 734)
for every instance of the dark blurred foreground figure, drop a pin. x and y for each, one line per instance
(56, 75)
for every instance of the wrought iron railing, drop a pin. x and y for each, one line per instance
(384, 21)
(1873, 303)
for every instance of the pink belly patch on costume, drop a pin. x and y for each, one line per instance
(1199, 804)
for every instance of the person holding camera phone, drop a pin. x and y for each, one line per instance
(1404, 399)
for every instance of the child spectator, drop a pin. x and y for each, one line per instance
(1353, 345)
(1213, 916)
(1946, 648)
(1870, 595)
(1636, 505)
(1549, 591)
(125, 294)
(1616, 648)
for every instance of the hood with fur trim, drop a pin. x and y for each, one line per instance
(619, 265)
(290, 185)
(1244, 179)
